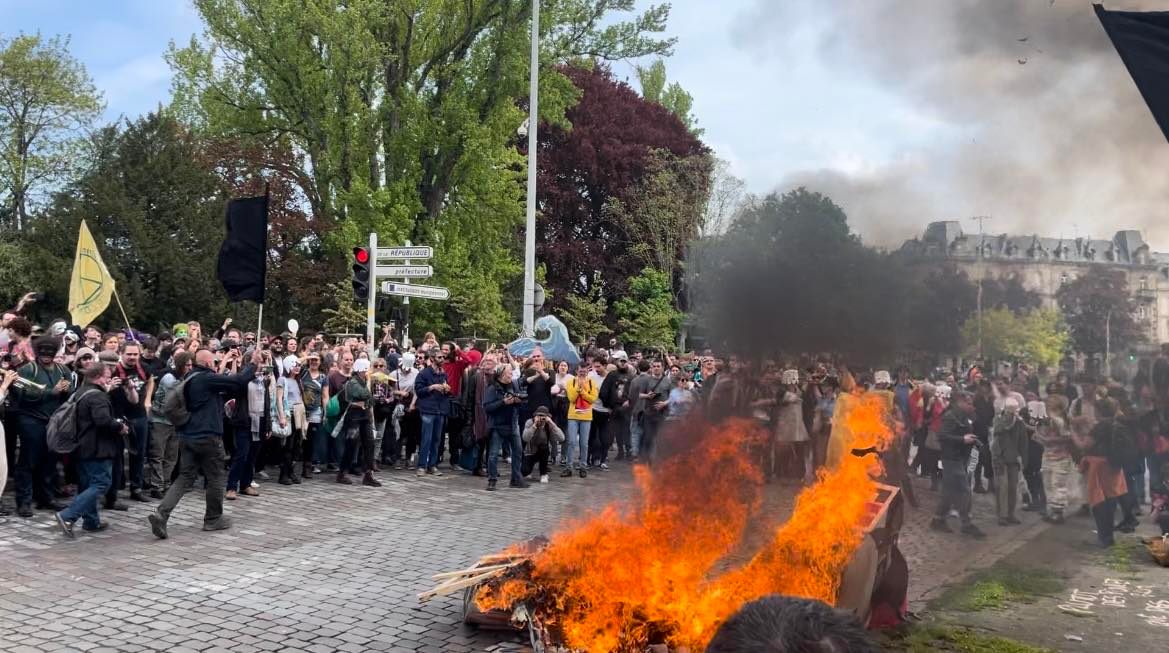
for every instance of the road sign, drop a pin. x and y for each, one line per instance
(414, 290)
(405, 252)
(404, 271)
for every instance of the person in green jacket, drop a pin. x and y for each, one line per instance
(358, 429)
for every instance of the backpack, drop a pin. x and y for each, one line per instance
(61, 434)
(174, 407)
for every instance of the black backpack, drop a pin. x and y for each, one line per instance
(61, 434)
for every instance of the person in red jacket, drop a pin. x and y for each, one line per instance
(455, 365)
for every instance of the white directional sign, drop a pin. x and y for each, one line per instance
(405, 252)
(414, 290)
(404, 271)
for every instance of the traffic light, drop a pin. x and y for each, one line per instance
(361, 274)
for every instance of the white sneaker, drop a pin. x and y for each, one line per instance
(255, 484)
(543, 478)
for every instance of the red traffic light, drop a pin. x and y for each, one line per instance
(361, 255)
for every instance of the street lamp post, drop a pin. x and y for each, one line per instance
(530, 229)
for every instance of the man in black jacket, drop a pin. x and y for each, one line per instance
(957, 438)
(98, 436)
(201, 438)
(500, 404)
(614, 393)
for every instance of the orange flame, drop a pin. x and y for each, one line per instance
(629, 574)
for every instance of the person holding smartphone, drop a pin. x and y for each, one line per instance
(540, 432)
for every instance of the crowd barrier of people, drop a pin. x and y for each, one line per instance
(144, 417)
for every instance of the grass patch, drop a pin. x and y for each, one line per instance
(1120, 556)
(998, 586)
(955, 639)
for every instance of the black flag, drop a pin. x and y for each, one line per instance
(243, 256)
(1142, 41)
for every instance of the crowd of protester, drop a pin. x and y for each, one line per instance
(154, 413)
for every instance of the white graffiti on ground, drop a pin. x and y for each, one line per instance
(1119, 594)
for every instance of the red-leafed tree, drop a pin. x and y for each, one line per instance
(592, 178)
(298, 270)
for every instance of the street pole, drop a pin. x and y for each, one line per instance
(371, 298)
(530, 230)
(981, 274)
(406, 311)
(1108, 344)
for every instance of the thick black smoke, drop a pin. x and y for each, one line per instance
(1049, 134)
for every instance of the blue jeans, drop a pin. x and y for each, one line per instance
(636, 433)
(431, 437)
(140, 446)
(320, 443)
(95, 477)
(498, 437)
(243, 463)
(578, 442)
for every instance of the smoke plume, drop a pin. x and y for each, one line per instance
(1049, 134)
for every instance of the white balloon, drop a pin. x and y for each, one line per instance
(293, 326)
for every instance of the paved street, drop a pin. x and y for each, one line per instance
(321, 567)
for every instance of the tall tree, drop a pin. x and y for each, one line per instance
(671, 96)
(1100, 311)
(790, 277)
(939, 300)
(591, 181)
(646, 315)
(726, 199)
(46, 100)
(662, 216)
(157, 215)
(405, 114)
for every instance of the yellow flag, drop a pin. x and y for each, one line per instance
(91, 286)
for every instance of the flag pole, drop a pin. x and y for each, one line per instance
(260, 323)
(123, 310)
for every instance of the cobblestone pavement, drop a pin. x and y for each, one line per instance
(321, 567)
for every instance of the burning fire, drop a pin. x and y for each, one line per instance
(649, 571)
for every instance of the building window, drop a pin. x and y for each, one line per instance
(1141, 312)
(1063, 278)
(1144, 283)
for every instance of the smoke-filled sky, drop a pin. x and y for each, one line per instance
(904, 111)
(907, 111)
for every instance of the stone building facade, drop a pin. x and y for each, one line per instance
(1044, 264)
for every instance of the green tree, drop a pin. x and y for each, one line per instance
(46, 100)
(646, 316)
(1099, 304)
(665, 211)
(156, 214)
(343, 316)
(1038, 336)
(584, 316)
(404, 114)
(671, 96)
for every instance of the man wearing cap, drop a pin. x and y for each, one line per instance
(358, 431)
(33, 405)
(613, 396)
(539, 432)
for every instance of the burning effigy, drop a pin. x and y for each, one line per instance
(659, 569)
